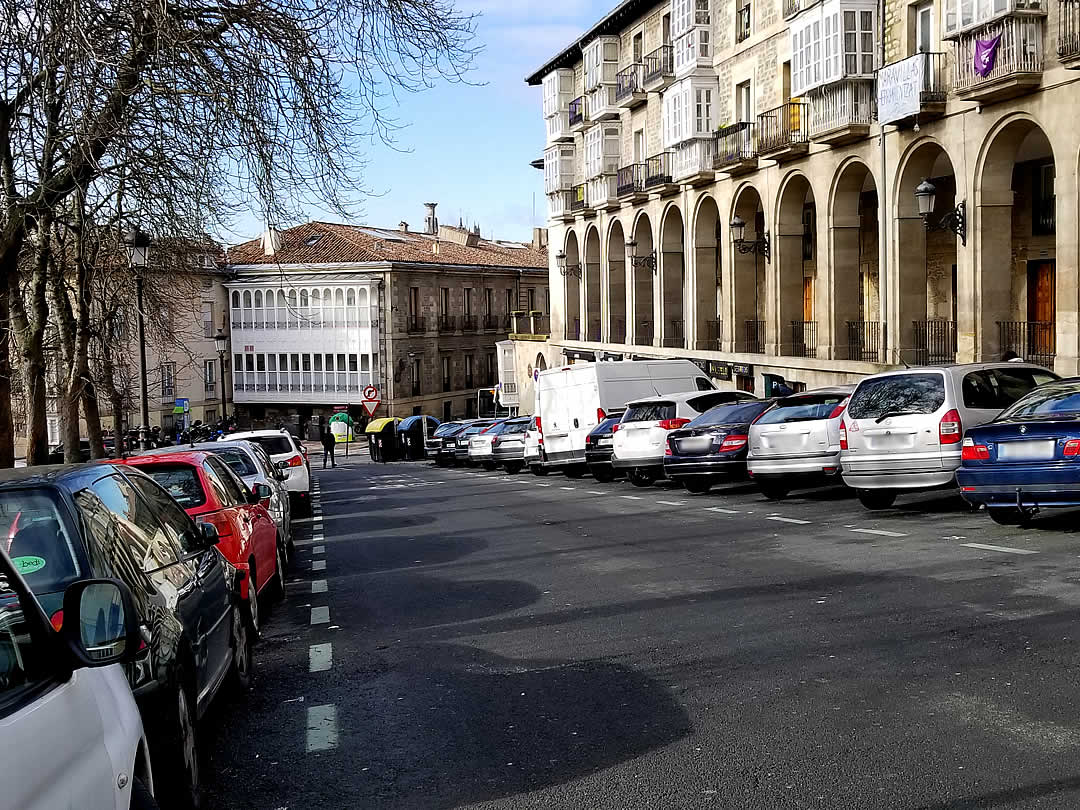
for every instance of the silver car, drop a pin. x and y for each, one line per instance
(797, 442)
(903, 430)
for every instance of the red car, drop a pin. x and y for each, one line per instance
(210, 492)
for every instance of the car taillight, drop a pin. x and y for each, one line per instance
(296, 461)
(615, 427)
(950, 431)
(57, 620)
(979, 452)
(667, 449)
(674, 424)
(733, 441)
(600, 415)
(1072, 448)
(838, 410)
(843, 435)
(540, 442)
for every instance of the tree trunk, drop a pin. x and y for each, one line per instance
(30, 328)
(92, 412)
(7, 425)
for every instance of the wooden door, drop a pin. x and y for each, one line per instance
(1041, 307)
(808, 298)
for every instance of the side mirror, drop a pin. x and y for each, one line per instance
(260, 492)
(282, 465)
(102, 624)
(208, 533)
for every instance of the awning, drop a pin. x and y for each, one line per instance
(409, 421)
(376, 425)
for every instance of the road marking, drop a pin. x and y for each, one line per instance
(318, 565)
(317, 519)
(673, 503)
(1004, 549)
(880, 532)
(318, 586)
(320, 657)
(319, 550)
(721, 510)
(630, 497)
(320, 615)
(543, 485)
(322, 732)
(597, 492)
(788, 520)
(569, 489)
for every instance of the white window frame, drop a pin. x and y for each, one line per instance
(833, 41)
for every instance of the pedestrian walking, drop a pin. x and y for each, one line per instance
(329, 443)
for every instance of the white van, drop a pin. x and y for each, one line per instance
(572, 400)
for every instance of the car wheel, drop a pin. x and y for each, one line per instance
(243, 665)
(602, 476)
(697, 486)
(1008, 515)
(490, 466)
(876, 498)
(774, 492)
(575, 471)
(538, 470)
(179, 771)
(642, 478)
(140, 796)
(513, 468)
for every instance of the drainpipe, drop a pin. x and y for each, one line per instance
(883, 217)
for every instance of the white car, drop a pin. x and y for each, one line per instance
(480, 446)
(253, 464)
(291, 458)
(74, 734)
(535, 458)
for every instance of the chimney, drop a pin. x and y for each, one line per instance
(403, 226)
(435, 246)
(271, 240)
(540, 238)
(431, 222)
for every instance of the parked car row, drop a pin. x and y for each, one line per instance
(162, 563)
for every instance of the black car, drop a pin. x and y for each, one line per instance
(56, 452)
(713, 446)
(70, 523)
(461, 450)
(443, 445)
(598, 449)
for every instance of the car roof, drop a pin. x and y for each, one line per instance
(161, 454)
(242, 444)
(831, 390)
(251, 434)
(682, 396)
(955, 369)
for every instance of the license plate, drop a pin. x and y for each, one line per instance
(698, 444)
(451, 444)
(605, 442)
(1026, 451)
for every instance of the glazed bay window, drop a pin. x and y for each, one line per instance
(602, 150)
(687, 14)
(963, 15)
(693, 50)
(831, 42)
(601, 59)
(688, 110)
(558, 89)
(558, 168)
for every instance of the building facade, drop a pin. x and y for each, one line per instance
(816, 189)
(320, 312)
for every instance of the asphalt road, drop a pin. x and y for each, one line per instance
(483, 640)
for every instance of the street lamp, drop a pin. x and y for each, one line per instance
(648, 260)
(138, 248)
(567, 269)
(955, 220)
(758, 245)
(221, 343)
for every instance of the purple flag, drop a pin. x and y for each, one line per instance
(986, 55)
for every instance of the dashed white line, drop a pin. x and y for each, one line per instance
(788, 520)
(721, 510)
(880, 532)
(597, 492)
(543, 485)
(322, 733)
(318, 586)
(1004, 549)
(319, 550)
(630, 497)
(568, 489)
(320, 657)
(320, 615)
(318, 565)
(673, 503)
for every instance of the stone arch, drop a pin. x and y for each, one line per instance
(795, 264)
(573, 287)
(708, 324)
(590, 270)
(616, 290)
(852, 306)
(672, 278)
(644, 277)
(747, 306)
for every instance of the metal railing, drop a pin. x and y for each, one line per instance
(1020, 50)
(577, 111)
(1035, 341)
(1044, 216)
(782, 126)
(864, 341)
(803, 339)
(842, 104)
(714, 336)
(577, 198)
(541, 325)
(447, 323)
(675, 339)
(658, 170)
(415, 324)
(659, 63)
(791, 8)
(733, 144)
(629, 81)
(469, 323)
(594, 331)
(1068, 45)
(753, 338)
(742, 24)
(693, 157)
(643, 333)
(935, 342)
(630, 179)
(491, 322)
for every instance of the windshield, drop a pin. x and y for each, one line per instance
(447, 429)
(1048, 402)
(180, 481)
(649, 412)
(741, 414)
(274, 445)
(803, 409)
(896, 395)
(608, 425)
(515, 427)
(238, 461)
(36, 540)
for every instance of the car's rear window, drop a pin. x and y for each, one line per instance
(897, 395)
(238, 461)
(446, 430)
(803, 409)
(179, 480)
(37, 541)
(1049, 402)
(274, 445)
(649, 412)
(515, 427)
(608, 425)
(739, 414)
(997, 388)
(711, 400)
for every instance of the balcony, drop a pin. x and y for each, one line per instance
(602, 105)
(791, 8)
(630, 182)
(1068, 46)
(659, 69)
(803, 340)
(603, 192)
(782, 132)
(447, 323)
(935, 342)
(694, 162)
(559, 205)
(752, 340)
(733, 149)
(643, 334)
(675, 338)
(864, 341)
(577, 199)
(415, 325)
(469, 323)
(490, 323)
(658, 174)
(742, 24)
(841, 113)
(558, 128)
(579, 116)
(630, 87)
(1016, 70)
(1035, 341)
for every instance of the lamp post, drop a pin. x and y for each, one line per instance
(138, 248)
(647, 261)
(955, 220)
(221, 343)
(758, 245)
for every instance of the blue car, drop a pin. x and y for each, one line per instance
(1028, 458)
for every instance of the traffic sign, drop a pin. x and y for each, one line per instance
(371, 405)
(371, 392)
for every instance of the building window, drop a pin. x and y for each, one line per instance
(1043, 220)
(809, 222)
(924, 28)
(744, 108)
(447, 410)
(491, 368)
(168, 380)
(416, 378)
(531, 296)
(639, 47)
(639, 146)
(742, 22)
(489, 301)
(210, 376)
(446, 373)
(468, 371)
(208, 319)
(830, 48)
(444, 301)
(210, 415)
(509, 301)
(466, 305)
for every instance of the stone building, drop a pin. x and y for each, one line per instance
(320, 311)
(807, 189)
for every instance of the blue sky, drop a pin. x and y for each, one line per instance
(469, 147)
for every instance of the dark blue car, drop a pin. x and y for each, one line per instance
(1028, 458)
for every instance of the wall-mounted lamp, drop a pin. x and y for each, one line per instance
(567, 269)
(955, 220)
(759, 245)
(648, 260)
